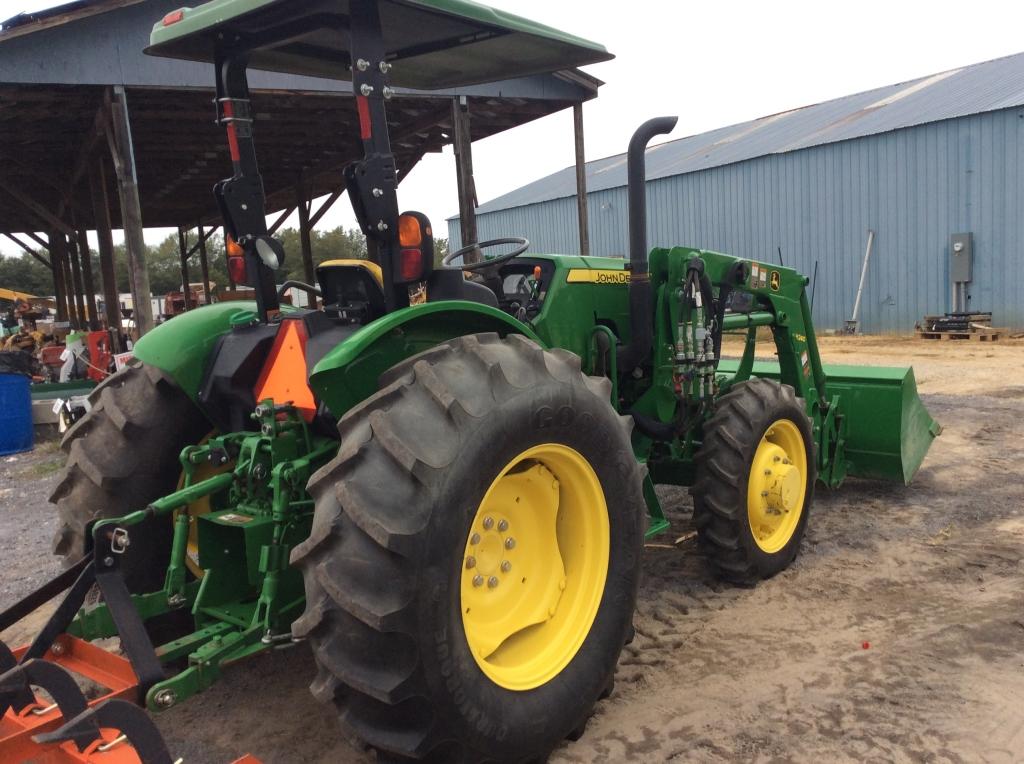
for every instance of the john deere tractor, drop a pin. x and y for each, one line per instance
(446, 498)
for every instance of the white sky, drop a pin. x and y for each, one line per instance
(712, 64)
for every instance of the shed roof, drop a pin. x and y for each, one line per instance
(988, 86)
(57, 65)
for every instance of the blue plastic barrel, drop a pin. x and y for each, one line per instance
(15, 414)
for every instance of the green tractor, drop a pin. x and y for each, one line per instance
(447, 499)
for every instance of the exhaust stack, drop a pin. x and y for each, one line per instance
(633, 353)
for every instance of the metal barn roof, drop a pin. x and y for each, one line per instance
(988, 86)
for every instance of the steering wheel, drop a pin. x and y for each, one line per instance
(524, 244)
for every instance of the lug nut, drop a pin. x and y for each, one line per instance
(488, 523)
(478, 580)
(503, 525)
(510, 543)
(57, 648)
(506, 566)
(471, 562)
(764, 493)
(767, 472)
(492, 582)
(474, 539)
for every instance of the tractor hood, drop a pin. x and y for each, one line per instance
(431, 43)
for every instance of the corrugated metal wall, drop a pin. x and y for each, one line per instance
(914, 187)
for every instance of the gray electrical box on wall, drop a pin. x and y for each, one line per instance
(961, 258)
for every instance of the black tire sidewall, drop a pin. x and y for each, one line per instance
(467, 699)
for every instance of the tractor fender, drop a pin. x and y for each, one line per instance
(348, 373)
(181, 346)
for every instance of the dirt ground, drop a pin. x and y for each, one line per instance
(897, 635)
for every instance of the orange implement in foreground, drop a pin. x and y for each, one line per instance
(58, 725)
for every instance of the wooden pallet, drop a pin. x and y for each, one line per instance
(977, 336)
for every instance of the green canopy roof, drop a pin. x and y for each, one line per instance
(431, 43)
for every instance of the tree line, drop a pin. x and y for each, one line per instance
(26, 274)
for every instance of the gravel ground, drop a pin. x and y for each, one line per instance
(897, 635)
(27, 519)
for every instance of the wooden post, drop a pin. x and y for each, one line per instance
(305, 239)
(464, 172)
(90, 286)
(204, 265)
(183, 252)
(69, 284)
(581, 179)
(101, 214)
(131, 210)
(57, 260)
(304, 233)
(77, 288)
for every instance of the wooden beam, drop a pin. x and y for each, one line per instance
(203, 238)
(280, 221)
(38, 209)
(28, 249)
(85, 257)
(581, 179)
(328, 203)
(63, 192)
(305, 237)
(70, 291)
(59, 19)
(78, 289)
(204, 266)
(101, 214)
(434, 118)
(57, 257)
(183, 255)
(131, 210)
(85, 154)
(38, 240)
(464, 175)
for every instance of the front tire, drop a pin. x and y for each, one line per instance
(411, 534)
(755, 481)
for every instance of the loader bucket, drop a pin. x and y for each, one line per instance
(888, 429)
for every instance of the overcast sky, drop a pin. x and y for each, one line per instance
(712, 64)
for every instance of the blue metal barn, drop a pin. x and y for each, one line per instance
(916, 162)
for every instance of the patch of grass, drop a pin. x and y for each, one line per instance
(40, 470)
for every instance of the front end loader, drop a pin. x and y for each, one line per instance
(447, 499)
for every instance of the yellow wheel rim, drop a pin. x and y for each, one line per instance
(777, 486)
(534, 567)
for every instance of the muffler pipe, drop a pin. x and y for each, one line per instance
(641, 318)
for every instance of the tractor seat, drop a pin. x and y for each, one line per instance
(352, 289)
(450, 284)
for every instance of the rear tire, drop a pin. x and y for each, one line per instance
(750, 512)
(122, 455)
(386, 564)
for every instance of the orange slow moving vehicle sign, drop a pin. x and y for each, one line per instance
(284, 375)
